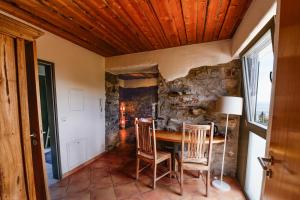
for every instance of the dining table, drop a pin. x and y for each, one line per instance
(175, 137)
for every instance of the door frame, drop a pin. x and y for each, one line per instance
(52, 116)
(248, 126)
(33, 90)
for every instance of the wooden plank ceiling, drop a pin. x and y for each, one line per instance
(115, 27)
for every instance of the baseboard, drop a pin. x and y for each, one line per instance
(79, 167)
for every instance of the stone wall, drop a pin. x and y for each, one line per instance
(192, 99)
(111, 111)
(138, 102)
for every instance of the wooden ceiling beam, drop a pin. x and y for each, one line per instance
(132, 76)
(127, 10)
(115, 27)
(217, 11)
(166, 21)
(175, 9)
(189, 8)
(133, 10)
(151, 18)
(52, 16)
(220, 18)
(201, 18)
(235, 14)
(107, 18)
(130, 23)
(68, 8)
(66, 23)
(39, 22)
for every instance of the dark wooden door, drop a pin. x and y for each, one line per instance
(285, 129)
(36, 121)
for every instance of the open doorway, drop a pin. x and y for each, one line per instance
(138, 96)
(130, 93)
(49, 120)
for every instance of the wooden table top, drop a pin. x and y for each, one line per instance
(175, 137)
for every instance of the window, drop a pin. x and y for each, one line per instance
(257, 61)
(258, 67)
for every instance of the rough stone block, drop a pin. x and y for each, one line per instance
(192, 99)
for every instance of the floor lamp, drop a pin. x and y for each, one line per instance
(229, 106)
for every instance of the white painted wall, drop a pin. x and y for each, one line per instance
(256, 17)
(175, 62)
(83, 70)
(81, 133)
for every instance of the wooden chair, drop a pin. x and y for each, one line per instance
(195, 151)
(146, 149)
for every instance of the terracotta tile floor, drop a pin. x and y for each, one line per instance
(113, 177)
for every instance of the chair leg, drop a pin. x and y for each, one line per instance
(137, 168)
(207, 182)
(154, 176)
(181, 180)
(170, 167)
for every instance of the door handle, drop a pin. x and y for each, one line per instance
(265, 163)
(33, 135)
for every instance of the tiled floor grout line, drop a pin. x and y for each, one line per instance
(90, 171)
(113, 177)
(113, 184)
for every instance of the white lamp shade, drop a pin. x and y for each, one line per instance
(230, 105)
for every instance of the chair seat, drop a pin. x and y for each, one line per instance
(191, 160)
(192, 164)
(161, 156)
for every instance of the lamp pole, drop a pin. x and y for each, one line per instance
(230, 106)
(224, 150)
(220, 184)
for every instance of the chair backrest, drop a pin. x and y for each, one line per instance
(149, 119)
(145, 138)
(194, 146)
